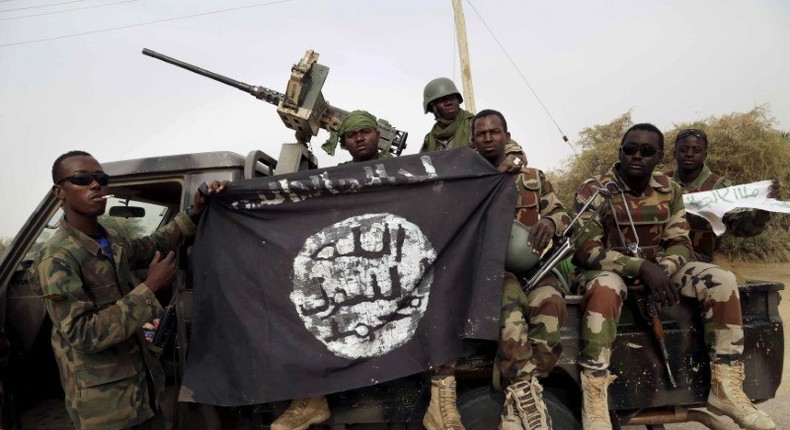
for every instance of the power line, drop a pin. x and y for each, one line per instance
(159, 21)
(40, 6)
(523, 78)
(67, 10)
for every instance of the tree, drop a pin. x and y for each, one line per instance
(124, 227)
(597, 152)
(744, 147)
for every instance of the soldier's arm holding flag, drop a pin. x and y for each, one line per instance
(750, 222)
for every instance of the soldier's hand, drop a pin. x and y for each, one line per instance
(161, 271)
(658, 282)
(773, 190)
(511, 164)
(540, 235)
(200, 202)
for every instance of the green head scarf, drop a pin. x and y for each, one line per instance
(356, 120)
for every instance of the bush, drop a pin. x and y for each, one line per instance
(744, 147)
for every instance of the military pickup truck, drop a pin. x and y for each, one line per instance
(149, 192)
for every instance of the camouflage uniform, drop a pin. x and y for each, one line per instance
(659, 217)
(742, 223)
(98, 308)
(530, 323)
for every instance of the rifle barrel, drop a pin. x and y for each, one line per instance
(658, 331)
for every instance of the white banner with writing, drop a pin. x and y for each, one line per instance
(712, 205)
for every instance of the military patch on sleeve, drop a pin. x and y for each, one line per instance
(55, 297)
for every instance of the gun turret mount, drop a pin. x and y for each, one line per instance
(302, 108)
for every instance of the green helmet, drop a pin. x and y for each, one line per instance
(436, 89)
(519, 257)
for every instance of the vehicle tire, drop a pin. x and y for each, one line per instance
(481, 408)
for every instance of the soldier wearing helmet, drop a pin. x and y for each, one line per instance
(453, 128)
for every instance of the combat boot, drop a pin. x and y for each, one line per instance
(302, 413)
(442, 412)
(595, 403)
(726, 397)
(524, 407)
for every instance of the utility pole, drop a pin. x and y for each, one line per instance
(463, 53)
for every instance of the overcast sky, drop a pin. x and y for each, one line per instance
(72, 75)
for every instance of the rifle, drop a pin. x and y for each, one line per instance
(165, 333)
(651, 306)
(653, 313)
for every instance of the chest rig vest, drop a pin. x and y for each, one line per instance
(528, 200)
(649, 215)
(519, 257)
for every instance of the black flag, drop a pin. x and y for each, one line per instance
(328, 280)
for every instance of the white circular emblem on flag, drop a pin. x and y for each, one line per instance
(361, 285)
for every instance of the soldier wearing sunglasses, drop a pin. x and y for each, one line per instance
(98, 307)
(646, 240)
(694, 175)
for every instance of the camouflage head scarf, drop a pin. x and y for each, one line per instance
(356, 120)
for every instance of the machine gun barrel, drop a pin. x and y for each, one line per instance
(261, 93)
(302, 107)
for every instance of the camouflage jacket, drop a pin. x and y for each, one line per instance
(98, 308)
(659, 219)
(536, 199)
(741, 222)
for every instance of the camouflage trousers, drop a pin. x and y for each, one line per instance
(529, 342)
(714, 288)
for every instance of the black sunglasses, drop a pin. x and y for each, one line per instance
(85, 178)
(699, 134)
(645, 150)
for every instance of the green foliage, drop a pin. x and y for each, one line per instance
(744, 147)
(769, 247)
(597, 152)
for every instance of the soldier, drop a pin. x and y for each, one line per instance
(360, 136)
(646, 240)
(371, 126)
(453, 128)
(693, 174)
(98, 307)
(358, 133)
(529, 344)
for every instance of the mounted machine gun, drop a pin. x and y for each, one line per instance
(302, 108)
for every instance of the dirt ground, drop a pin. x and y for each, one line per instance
(776, 407)
(779, 272)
